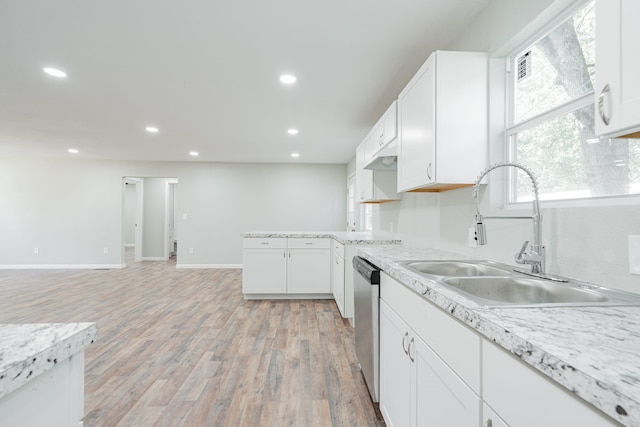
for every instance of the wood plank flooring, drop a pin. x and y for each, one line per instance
(182, 348)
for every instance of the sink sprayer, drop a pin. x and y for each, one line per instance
(536, 256)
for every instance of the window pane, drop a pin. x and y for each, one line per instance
(558, 68)
(569, 162)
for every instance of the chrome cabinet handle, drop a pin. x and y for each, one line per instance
(603, 116)
(488, 423)
(429, 171)
(405, 348)
(409, 350)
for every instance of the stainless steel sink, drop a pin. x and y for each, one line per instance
(520, 290)
(458, 268)
(495, 285)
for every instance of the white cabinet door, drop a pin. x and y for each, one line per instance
(337, 282)
(395, 369)
(416, 124)
(617, 67)
(442, 398)
(364, 177)
(442, 121)
(264, 271)
(490, 418)
(309, 271)
(390, 126)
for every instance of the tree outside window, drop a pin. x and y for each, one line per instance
(553, 119)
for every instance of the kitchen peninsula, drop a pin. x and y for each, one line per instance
(301, 264)
(42, 373)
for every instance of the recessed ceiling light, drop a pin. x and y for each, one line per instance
(55, 72)
(152, 129)
(194, 153)
(73, 151)
(288, 79)
(295, 155)
(292, 131)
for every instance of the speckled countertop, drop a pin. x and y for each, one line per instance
(592, 351)
(28, 350)
(344, 237)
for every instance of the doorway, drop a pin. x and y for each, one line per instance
(148, 219)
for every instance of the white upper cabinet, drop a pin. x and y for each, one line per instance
(384, 132)
(617, 68)
(442, 123)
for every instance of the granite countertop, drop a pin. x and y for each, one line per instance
(28, 350)
(344, 237)
(594, 352)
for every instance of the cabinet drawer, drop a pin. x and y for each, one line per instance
(450, 339)
(338, 248)
(264, 242)
(309, 243)
(524, 397)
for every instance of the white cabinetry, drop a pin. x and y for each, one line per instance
(309, 266)
(287, 267)
(373, 186)
(384, 133)
(525, 398)
(617, 68)
(264, 266)
(490, 418)
(337, 275)
(442, 122)
(396, 369)
(417, 388)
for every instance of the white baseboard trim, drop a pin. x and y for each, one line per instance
(153, 258)
(62, 266)
(208, 265)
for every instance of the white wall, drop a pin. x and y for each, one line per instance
(588, 243)
(71, 209)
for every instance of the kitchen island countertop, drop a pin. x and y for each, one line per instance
(594, 352)
(344, 237)
(29, 350)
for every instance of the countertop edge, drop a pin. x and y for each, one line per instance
(43, 357)
(344, 237)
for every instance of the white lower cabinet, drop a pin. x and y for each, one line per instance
(286, 266)
(417, 388)
(490, 418)
(264, 266)
(434, 370)
(523, 397)
(337, 276)
(396, 369)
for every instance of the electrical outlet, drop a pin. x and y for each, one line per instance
(190, 250)
(472, 237)
(35, 251)
(184, 216)
(106, 250)
(634, 254)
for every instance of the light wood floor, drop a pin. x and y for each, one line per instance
(182, 348)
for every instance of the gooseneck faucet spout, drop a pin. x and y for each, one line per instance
(536, 256)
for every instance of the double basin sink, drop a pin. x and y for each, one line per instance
(495, 285)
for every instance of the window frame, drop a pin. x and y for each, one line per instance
(511, 128)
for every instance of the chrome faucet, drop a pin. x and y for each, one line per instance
(536, 256)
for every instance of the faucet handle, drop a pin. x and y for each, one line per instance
(520, 255)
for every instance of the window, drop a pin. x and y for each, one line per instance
(551, 119)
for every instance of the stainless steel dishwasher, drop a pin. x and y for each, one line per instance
(366, 289)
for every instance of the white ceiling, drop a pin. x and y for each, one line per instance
(206, 72)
